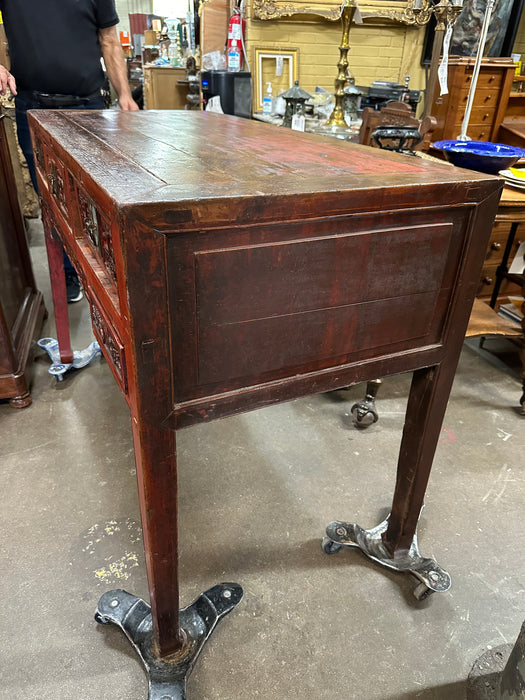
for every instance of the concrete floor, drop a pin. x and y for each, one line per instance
(257, 491)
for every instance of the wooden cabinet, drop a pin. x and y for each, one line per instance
(224, 279)
(491, 97)
(512, 129)
(511, 214)
(163, 88)
(21, 305)
(494, 256)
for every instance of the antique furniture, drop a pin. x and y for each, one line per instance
(395, 114)
(511, 211)
(21, 305)
(512, 128)
(491, 96)
(507, 233)
(485, 323)
(165, 87)
(224, 279)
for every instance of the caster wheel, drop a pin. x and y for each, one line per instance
(329, 546)
(101, 619)
(422, 592)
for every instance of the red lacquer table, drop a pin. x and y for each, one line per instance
(230, 265)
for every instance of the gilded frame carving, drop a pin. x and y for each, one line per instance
(372, 11)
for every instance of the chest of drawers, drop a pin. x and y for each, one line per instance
(231, 265)
(491, 97)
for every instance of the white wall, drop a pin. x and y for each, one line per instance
(126, 7)
(170, 8)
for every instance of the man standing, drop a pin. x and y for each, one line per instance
(55, 48)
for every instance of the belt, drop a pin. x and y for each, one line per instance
(53, 100)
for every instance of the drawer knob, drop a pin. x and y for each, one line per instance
(495, 246)
(487, 281)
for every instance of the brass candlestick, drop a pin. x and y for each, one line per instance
(337, 117)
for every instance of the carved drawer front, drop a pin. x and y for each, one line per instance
(96, 228)
(53, 173)
(109, 341)
(55, 176)
(38, 151)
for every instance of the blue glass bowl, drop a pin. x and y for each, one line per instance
(484, 156)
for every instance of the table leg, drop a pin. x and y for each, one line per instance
(503, 267)
(393, 543)
(168, 640)
(522, 357)
(55, 259)
(364, 413)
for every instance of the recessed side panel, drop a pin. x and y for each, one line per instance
(287, 305)
(263, 309)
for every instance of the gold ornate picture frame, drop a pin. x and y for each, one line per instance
(372, 11)
(267, 62)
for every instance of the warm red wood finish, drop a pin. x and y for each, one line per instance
(231, 265)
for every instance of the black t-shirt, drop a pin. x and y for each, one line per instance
(53, 44)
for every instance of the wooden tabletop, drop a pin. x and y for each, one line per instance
(512, 197)
(176, 155)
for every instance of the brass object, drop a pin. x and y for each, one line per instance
(337, 118)
(446, 13)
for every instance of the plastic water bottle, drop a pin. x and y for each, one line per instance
(267, 100)
(234, 57)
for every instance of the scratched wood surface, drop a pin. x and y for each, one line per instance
(179, 155)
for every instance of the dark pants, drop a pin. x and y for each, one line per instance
(25, 101)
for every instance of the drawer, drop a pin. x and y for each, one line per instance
(479, 133)
(109, 340)
(496, 247)
(96, 229)
(486, 79)
(480, 117)
(485, 100)
(488, 280)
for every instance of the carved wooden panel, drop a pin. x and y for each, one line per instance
(109, 341)
(97, 229)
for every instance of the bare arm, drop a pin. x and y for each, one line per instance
(6, 81)
(116, 66)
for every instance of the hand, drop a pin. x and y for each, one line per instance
(128, 104)
(6, 81)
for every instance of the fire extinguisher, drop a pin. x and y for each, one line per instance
(236, 28)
